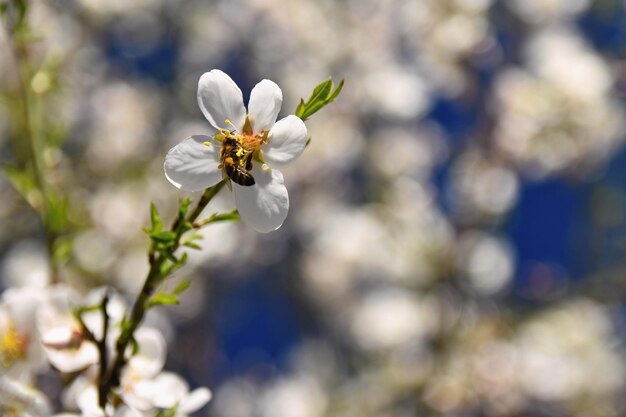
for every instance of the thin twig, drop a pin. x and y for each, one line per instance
(153, 279)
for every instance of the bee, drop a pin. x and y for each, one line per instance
(236, 161)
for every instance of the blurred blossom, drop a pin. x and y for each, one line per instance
(93, 251)
(112, 8)
(557, 116)
(26, 265)
(488, 262)
(346, 248)
(292, 397)
(395, 151)
(21, 353)
(126, 130)
(396, 92)
(419, 246)
(119, 211)
(17, 399)
(546, 11)
(565, 348)
(236, 398)
(129, 269)
(482, 187)
(60, 32)
(389, 318)
(444, 34)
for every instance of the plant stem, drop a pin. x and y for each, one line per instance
(153, 279)
(32, 131)
(102, 350)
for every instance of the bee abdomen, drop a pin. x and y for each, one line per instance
(239, 176)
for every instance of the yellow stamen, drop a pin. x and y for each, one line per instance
(12, 346)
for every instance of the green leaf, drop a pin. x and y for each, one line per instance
(163, 299)
(192, 245)
(300, 108)
(79, 311)
(174, 264)
(155, 219)
(57, 211)
(183, 207)
(134, 346)
(322, 95)
(222, 217)
(182, 287)
(24, 185)
(163, 237)
(189, 241)
(321, 91)
(335, 93)
(62, 249)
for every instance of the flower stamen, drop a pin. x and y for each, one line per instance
(12, 346)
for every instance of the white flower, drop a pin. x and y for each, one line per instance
(136, 383)
(241, 149)
(62, 335)
(171, 392)
(21, 355)
(17, 399)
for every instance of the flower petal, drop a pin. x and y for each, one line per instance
(264, 105)
(195, 400)
(263, 206)
(72, 360)
(287, 140)
(169, 390)
(191, 165)
(219, 99)
(150, 358)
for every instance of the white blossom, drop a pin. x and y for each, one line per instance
(242, 148)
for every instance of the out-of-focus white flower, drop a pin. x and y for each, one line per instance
(21, 355)
(64, 339)
(487, 261)
(169, 391)
(26, 264)
(144, 389)
(17, 399)
(293, 397)
(237, 397)
(392, 317)
(543, 11)
(83, 394)
(136, 381)
(556, 116)
(241, 149)
(123, 132)
(483, 187)
(565, 348)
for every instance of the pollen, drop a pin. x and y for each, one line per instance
(12, 346)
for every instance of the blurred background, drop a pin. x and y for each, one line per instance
(456, 241)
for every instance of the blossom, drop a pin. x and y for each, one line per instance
(21, 355)
(63, 337)
(242, 148)
(17, 399)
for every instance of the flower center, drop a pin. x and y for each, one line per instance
(238, 151)
(12, 346)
